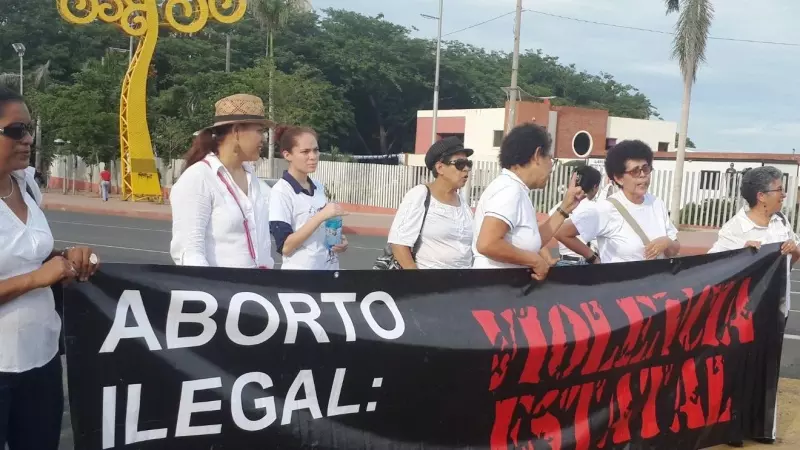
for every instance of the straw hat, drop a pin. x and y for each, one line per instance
(240, 108)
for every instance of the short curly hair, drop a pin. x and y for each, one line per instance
(521, 143)
(624, 151)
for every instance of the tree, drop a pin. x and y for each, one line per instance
(689, 143)
(689, 48)
(272, 15)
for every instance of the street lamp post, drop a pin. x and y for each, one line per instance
(20, 49)
(438, 61)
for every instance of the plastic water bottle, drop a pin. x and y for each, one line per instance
(333, 231)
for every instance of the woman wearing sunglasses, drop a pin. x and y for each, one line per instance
(433, 225)
(31, 393)
(631, 224)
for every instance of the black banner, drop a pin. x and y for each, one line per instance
(680, 353)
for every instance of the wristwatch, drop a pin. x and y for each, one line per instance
(592, 258)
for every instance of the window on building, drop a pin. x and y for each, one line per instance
(709, 179)
(582, 144)
(663, 146)
(785, 182)
(498, 138)
(610, 142)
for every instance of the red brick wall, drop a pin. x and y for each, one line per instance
(571, 120)
(454, 125)
(527, 112)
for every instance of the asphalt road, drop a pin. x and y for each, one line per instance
(140, 241)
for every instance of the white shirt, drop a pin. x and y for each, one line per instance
(507, 198)
(740, 229)
(296, 208)
(616, 240)
(207, 224)
(563, 250)
(29, 324)
(446, 235)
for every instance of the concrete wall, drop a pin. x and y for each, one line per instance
(650, 131)
(477, 125)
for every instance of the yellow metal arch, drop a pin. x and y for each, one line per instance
(140, 18)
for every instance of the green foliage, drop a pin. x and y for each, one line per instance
(358, 80)
(712, 211)
(689, 143)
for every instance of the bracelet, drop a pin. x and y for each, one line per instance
(592, 258)
(562, 212)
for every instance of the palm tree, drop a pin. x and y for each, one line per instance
(272, 16)
(689, 48)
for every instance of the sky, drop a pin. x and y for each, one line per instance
(746, 93)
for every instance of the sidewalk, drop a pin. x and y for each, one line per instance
(356, 223)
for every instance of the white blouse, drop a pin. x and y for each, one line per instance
(208, 226)
(29, 324)
(740, 229)
(507, 198)
(446, 234)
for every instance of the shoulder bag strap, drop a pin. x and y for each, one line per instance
(424, 216)
(630, 220)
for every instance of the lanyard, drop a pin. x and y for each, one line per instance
(246, 223)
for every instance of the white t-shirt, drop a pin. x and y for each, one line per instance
(507, 198)
(29, 324)
(446, 235)
(563, 250)
(616, 240)
(288, 205)
(207, 222)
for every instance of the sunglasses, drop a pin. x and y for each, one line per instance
(636, 172)
(16, 131)
(460, 164)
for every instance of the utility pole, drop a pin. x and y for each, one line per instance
(514, 90)
(436, 79)
(130, 50)
(228, 52)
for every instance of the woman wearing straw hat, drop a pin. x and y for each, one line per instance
(220, 213)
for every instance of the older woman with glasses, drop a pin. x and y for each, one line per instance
(631, 224)
(433, 225)
(762, 222)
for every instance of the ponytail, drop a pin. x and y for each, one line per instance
(203, 144)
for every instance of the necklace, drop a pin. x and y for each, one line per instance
(10, 193)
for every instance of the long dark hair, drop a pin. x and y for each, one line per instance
(207, 141)
(8, 96)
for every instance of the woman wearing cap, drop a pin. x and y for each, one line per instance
(441, 234)
(507, 233)
(31, 390)
(298, 207)
(631, 224)
(219, 207)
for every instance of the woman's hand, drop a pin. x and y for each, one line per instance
(788, 247)
(56, 269)
(753, 244)
(340, 248)
(656, 247)
(332, 210)
(540, 268)
(573, 196)
(83, 260)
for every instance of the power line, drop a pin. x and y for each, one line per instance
(623, 27)
(648, 30)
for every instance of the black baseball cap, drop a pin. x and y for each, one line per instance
(444, 148)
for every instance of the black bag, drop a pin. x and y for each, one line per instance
(387, 261)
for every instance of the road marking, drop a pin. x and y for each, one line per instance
(109, 226)
(113, 246)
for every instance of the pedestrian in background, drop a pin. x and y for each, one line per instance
(299, 208)
(105, 183)
(31, 389)
(433, 225)
(220, 214)
(507, 233)
(631, 224)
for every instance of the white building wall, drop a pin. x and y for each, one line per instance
(479, 128)
(650, 131)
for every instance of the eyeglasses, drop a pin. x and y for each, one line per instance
(460, 164)
(16, 131)
(637, 172)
